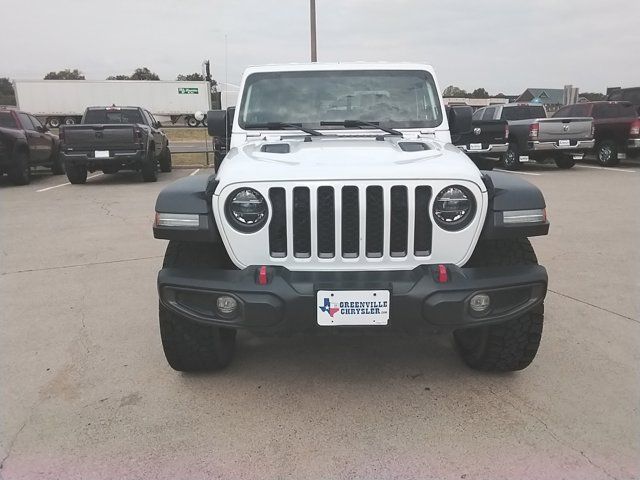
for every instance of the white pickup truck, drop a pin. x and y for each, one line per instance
(342, 204)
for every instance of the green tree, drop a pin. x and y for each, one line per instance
(7, 95)
(452, 91)
(593, 96)
(479, 93)
(141, 73)
(66, 74)
(190, 77)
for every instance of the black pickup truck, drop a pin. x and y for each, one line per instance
(485, 143)
(113, 139)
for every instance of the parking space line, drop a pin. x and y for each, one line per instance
(68, 183)
(622, 170)
(519, 173)
(194, 172)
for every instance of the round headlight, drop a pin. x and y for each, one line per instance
(454, 207)
(246, 210)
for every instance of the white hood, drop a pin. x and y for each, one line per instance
(346, 158)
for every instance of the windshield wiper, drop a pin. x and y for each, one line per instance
(362, 123)
(283, 126)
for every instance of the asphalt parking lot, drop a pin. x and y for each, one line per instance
(86, 392)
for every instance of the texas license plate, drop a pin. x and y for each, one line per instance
(564, 143)
(352, 307)
(101, 154)
(475, 146)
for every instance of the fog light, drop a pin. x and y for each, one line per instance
(226, 305)
(480, 302)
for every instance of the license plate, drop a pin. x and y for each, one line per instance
(564, 143)
(101, 154)
(524, 158)
(475, 146)
(622, 156)
(352, 307)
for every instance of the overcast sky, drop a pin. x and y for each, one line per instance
(501, 45)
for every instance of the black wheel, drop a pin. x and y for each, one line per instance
(190, 346)
(192, 122)
(150, 167)
(77, 174)
(165, 160)
(511, 345)
(564, 162)
(511, 158)
(57, 165)
(53, 122)
(20, 172)
(607, 153)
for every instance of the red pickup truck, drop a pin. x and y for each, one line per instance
(616, 128)
(24, 144)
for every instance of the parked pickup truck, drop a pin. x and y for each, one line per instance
(113, 139)
(485, 142)
(616, 128)
(341, 206)
(24, 144)
(534, 137)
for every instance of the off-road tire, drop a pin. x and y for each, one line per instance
(511, 158)
(191, 346)
(57, 165)
(150, 167)
(77, 174)
(564, 163)
(20, 171)
(165, 160)
(511, 345)
(607, 153)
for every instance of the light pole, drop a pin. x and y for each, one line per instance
(314, 49)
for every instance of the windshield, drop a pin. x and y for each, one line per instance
(7, 120)
(109, 116)
(394, 98)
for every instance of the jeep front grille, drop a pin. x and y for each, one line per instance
(350, 221)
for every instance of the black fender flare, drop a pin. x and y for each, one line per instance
(190, 195)
(508, 192)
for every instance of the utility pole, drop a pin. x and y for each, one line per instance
(314, 49)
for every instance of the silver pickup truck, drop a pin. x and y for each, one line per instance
(534, 137)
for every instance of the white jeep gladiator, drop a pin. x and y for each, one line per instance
(342, 204)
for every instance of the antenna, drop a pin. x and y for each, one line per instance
(226, 72)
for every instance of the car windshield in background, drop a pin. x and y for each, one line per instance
(393, 98)
(523, 112)
(7, 120)
(110, 116)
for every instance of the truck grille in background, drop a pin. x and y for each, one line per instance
(316, 213)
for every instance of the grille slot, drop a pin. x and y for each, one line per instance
(326, 223)
(423, 228)
(301, 223)
(278, 225)
(399, 222)
(375, 222)
(350, 222)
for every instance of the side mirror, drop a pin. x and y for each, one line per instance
(42, 129)
(158, 125)
(217, 123)
(460, 119)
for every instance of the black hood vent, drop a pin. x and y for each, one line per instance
(413, 146)
(276, 148)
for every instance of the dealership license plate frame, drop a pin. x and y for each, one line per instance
(564, 143)
(344, 317)
(101, 154)
(475, 146)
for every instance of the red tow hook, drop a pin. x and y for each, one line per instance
(443, 274)
(262, 275)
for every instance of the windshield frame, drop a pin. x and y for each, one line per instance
(429, 78)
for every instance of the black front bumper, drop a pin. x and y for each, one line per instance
(288, 304)
(127, 159)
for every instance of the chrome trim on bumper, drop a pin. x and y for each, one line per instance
(580, 145)
(494, 148)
